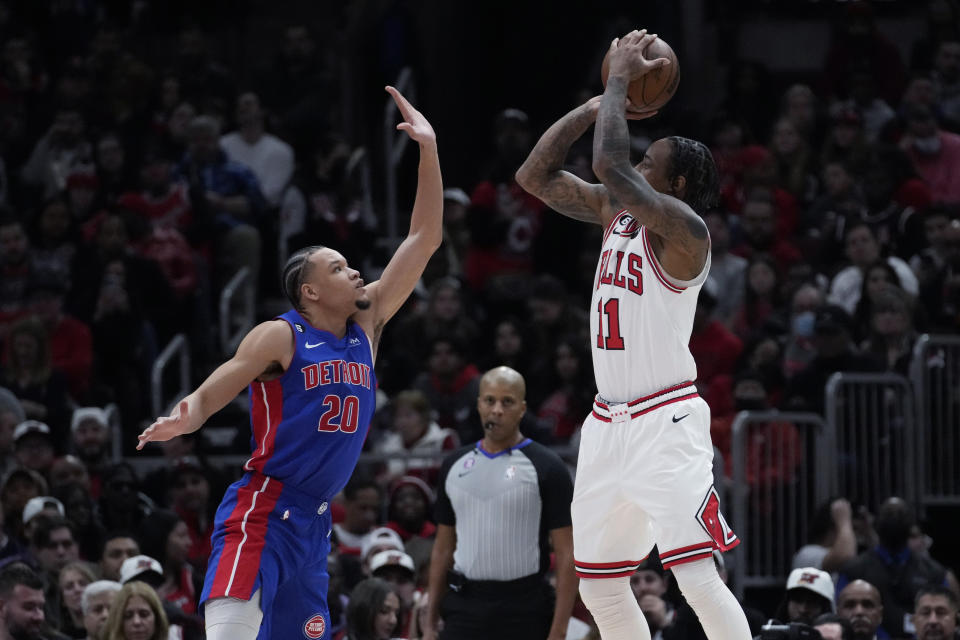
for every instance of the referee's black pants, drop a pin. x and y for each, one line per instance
(519, 609)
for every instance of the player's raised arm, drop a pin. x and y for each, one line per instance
(268, 346)
(542, 172)
(681, 229)
(426, 226)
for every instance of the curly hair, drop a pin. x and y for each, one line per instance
(693, 161)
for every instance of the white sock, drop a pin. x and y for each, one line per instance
(232, 618)
(614, 608)
(720, 614)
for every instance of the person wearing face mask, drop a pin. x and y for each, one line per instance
(935, 153)
(774, 449)
(897, 572)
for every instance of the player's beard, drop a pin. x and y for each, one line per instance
(363, 304)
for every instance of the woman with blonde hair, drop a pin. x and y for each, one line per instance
(73, 579)
(136, 615)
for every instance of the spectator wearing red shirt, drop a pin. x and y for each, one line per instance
(190, 499)
(715, 349)
(71, 343)
(935, 153)
(451, 383)
(572, 390)
(165, 537)
(774, 449)
(759, 224)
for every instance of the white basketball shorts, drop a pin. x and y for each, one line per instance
(644, 477)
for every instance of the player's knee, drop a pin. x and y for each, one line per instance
(232, 618)
(698, 579)
(605, 595)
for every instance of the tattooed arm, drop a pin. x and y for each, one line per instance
(542, 174)
(682, 234)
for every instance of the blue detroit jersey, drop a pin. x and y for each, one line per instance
(308, 426)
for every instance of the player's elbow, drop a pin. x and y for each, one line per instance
(526, 178)
(603, 166)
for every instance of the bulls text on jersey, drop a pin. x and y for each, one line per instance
(621, 269)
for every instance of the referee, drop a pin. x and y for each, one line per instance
(501, 504)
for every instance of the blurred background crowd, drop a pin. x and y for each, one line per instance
(159, 160)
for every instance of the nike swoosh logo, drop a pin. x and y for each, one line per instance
(676, 419)
(311, 346)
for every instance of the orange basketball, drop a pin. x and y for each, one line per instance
(654, 89)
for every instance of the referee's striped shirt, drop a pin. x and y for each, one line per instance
(503, 507)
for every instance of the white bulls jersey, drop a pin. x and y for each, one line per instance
(641, 318)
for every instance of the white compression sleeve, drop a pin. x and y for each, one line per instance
(614, 608)
(232, 618)
(720, 614)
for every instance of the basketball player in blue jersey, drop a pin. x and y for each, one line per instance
(312, 388)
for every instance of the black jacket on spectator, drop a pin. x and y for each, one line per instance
(898, 577)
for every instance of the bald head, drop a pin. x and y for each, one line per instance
(860, 603)
(506, 377)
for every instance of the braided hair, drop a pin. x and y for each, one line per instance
(693, 161)
(295, 272)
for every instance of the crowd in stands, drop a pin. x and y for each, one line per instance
(134, 185)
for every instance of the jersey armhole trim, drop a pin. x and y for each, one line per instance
(674, 284)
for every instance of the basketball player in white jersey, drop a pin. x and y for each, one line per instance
(644, 469)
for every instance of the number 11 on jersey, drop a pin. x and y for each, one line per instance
(612, 341)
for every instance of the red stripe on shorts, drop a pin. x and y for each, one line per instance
(246, 533)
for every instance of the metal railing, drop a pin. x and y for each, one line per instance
(358, 167)
(162, 403)
(871, 419)
(935, 374)
(234, 327)
(395, 143)
(779, 478)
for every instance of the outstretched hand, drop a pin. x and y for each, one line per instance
(416, 126)
(627, 56)
(167, 427)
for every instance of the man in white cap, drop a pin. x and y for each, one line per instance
(810, 593)
(379, 540)
(90, 441)
(397, 568)
(33, 446)
(40, 505)
(142, 569)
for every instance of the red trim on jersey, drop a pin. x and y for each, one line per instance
(606, 232)
(604, 576)
(663, 404)
(246, 534)
(607, 565)
(700, 556)
(686, 383)
(652, 259)
(600, 417)
(266, 413)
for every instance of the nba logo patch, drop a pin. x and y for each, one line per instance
(469, 462)
(314, 627)
(627, 226)
(298, 326)
(511, 472)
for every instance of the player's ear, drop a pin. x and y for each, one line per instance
(679, 186)
(309, 291)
